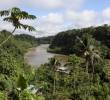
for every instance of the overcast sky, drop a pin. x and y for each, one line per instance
(54, 16)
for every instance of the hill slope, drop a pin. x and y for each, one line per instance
(65, 42)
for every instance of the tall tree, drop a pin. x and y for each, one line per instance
(91, 54)
(14, 16)
(90, 51)
(55, 64)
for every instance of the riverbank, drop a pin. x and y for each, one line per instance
(56, 51)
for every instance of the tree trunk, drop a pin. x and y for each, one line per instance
(8, 38)
(54, 84)
(87, 70)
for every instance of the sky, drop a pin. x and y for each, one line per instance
(54, 16)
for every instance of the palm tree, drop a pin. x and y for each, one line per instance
(92, 57)
(91, 54)
(14, 16)
(55, 64)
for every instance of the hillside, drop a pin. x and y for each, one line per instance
(14, 72)
(66, 42)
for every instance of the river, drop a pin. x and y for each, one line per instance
(39, 55)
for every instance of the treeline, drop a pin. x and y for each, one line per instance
(28, 38)
(15, 75)
(45, 40)
(66, 42)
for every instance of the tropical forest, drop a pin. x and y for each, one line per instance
(71, 63)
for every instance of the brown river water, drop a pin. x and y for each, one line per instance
(39, 55)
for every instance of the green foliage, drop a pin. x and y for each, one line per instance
(78, 84)
(86, 75)
(2, 96)
(67, 42)
(40, 98)
(14, 73)
(13, 69)
(26, 95)
(45, 40)
(22, 84)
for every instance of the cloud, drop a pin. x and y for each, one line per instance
(54, 18)
(81, 19)
(51, 23)
(73, 4)
(85, 15)
(55, 4)
(56, 22)
(45, 4)
(4, 4)
(106, 13)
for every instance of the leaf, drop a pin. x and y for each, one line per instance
(8, 19)
(4, 13)
(15, 10)
(32, 17)
(30, 28)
